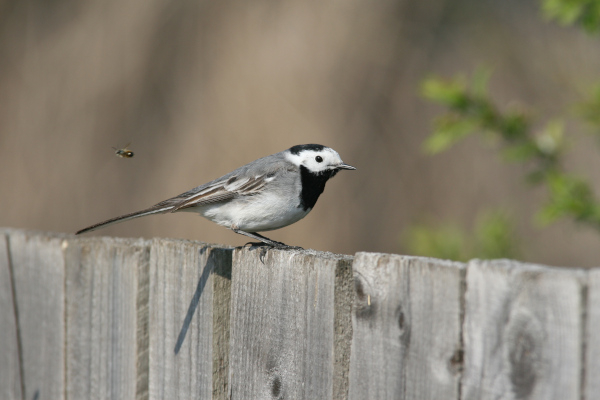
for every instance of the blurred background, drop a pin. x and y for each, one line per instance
(202, 87)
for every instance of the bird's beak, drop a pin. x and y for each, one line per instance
(345, 166)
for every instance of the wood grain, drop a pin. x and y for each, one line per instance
(282, 324)
(101, 325)
(38, 272)
(522, 332)
(591, 357)
(181, 296)
(406, 328)
(221, 277)
(10, 373)
(344, 301)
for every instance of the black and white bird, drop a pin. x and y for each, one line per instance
(264, 195)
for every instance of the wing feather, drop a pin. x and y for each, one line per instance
(220, 192)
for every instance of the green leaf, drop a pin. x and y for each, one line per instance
(564, 11)
(590, 18)
(449, 129)
(495, 236)
(451, 93)
(521, 152)
(480, 80)
(446, 242)
(589, 110)
(514, 126)
(568, 12)
(570, 197)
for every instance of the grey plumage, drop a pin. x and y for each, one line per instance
(266, 194)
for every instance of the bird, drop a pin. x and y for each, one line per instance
(266, 194)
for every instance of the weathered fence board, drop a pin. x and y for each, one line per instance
(101, 324)
(181, 313)
(406, 328)
(344, 301)
(282, 325)
(10, 367)
(38, 270)
(591, 348)
(221, 277)
(522, 332)
(135, 319)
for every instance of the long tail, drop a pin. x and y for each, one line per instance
(126, 217)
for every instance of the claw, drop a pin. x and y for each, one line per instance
(263, 253)
(261, 247)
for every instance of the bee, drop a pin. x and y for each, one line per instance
(124, 152)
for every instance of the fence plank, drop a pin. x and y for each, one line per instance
(406, 328)
(10, 376)
(221, 277)
(282, 324)
(101, 324)
(344, 301)
(522, 332)
(38, 272)
(181, 318)
(592, 344)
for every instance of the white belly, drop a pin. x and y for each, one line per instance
(257, 214)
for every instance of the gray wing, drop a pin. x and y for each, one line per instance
(248, 180)
(221, 192)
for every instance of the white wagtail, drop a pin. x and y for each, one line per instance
(264, 195)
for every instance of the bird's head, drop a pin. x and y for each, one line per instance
(317, 159)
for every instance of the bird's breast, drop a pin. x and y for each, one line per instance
(259, 213)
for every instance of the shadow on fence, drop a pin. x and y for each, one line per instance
(136, 319)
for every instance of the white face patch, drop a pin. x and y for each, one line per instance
(316, 161)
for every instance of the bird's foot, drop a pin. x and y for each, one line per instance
(255, 244)
(283, 246)
(273, 245)
(264, 247)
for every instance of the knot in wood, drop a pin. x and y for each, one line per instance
(524, 337)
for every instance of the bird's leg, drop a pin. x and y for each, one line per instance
(265, 240)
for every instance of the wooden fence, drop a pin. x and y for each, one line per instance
(106, 318)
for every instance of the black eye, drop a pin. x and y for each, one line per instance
(319, 158)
